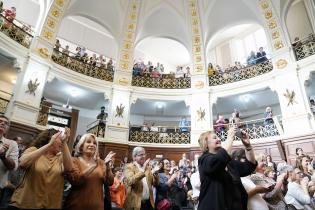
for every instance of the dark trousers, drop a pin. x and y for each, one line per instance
(146, 205)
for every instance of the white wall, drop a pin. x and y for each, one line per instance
(297, 21)
(27, 11)
(84, 32)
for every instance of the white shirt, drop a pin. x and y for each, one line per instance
(13, 153)
(145, 191)
(296, 196)
(255, 202)
(195, 183)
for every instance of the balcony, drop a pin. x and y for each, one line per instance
(3, 105)
(159, 135)
(77, 65)
(166, 81)
(240, 74)
(16, 31)
(97, 128)
(304, 48)
(256, 129)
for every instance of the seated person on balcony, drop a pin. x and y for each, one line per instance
(155, 73)
(66, 51)
(218, 70)
(154, 128)
(102, 61)
(9, 15)
(145, 127)
(162, 69)
(85, 58)
(93, 60)
(179, 72)
(82, 52)
(187, 72)
(102, 116)
(77, 53)
(268, 116)
(57, 46)
(235, 118)
(183, 125)
(261, 55)
(219, 124)
(312, 103)
(251, 60)
(136, 70)
(210, 69)
(296, 43)
(110, 65)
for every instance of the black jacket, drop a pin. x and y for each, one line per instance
(221, 187)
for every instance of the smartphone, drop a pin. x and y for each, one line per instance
(239, 133)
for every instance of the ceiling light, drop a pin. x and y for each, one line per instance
(244, 98)
(74, 92)
(13, 81)
(159, 105)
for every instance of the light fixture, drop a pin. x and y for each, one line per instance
(13, 81)
(159, 105)
(244, 98)
(67, 106)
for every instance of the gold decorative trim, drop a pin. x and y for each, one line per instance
(281, 63)
(43, 52)
(123, 81)
(278, 44)
(275, 35)
(199, 84)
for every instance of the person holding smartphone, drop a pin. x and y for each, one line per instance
(221, 187)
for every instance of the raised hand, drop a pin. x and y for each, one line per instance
(66, 136)
(109, 157)
(156, 168)
(54, 138)
(146, 164)
(245, 139)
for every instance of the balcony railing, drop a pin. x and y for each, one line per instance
(165, 82)
(240, 74)
(304, 48)
(15, 32)
(160, 135)
(256, 129)
(77, 65)
(3, 105)
(97, 128)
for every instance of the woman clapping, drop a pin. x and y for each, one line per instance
(88, 176)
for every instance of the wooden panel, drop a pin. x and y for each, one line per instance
(305, 142)
(26, 132)
(121, 151)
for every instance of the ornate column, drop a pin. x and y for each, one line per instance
(118, 124)
(199, 105)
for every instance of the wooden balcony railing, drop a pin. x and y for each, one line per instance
(77, 65)
(305, 47)
(240, 74)
(15, 32)
(164, 82)
(256, 129)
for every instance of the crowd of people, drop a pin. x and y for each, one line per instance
(44, 175)
(82, 55)
(252, 59)
(183, 126)
(149, 70)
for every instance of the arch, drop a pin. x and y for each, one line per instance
(164, 22)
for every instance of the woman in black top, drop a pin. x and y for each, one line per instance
(221, 187)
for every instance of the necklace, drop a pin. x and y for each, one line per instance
(88, 163)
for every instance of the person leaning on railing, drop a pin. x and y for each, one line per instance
(44, 163)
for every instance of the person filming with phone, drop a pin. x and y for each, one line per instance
(221, 186)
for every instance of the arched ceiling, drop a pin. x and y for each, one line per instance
(217, 15)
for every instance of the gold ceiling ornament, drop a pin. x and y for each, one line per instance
(193, 12)
(199, 84)
(196, 30)
(195, 21)
(43, 52)
(198, 58)
(198, 68)
(201, 113)
(290, 95)
(124, 65)
(32, 86)
(123, 81)
(120, 111)
(125, 56)
(264, 4)
(272, 24)
(131, 26)
(197, 40)
(275, 35)
(60, 3)
(127, 45)
(47, 34)
(281, 63)
(268, 14)
(51, 23)
(133, 16)
(55, 12)
(278, 44)
(197, 48)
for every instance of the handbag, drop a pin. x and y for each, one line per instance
(163, 204)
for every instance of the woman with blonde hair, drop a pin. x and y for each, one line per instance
(88, 176)
(44, 162)
(221, 187)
